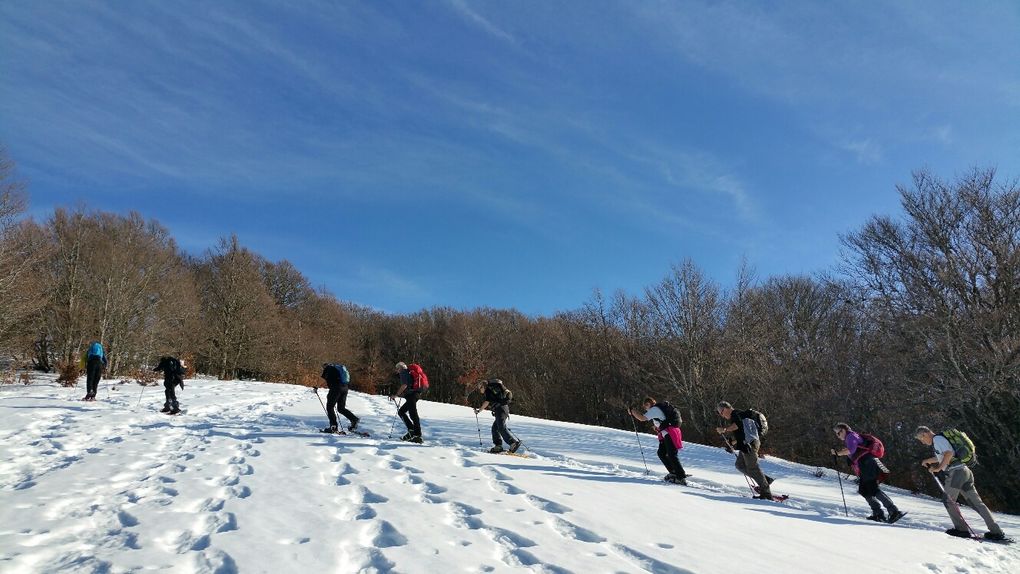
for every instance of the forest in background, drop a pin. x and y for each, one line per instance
(919, 324)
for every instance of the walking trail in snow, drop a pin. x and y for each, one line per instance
(244, 482)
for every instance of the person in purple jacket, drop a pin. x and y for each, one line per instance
(871, 471)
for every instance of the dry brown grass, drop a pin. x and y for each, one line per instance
(68, 373)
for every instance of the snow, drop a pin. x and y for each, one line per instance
(243, 482)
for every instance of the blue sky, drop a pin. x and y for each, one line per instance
(506, 154)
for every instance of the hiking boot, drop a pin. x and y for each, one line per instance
(877, 517)
(995, 536)
(175, 411)
(407, 436)
(330, 429)
(674, 479)
(516, 445)
(354, 425)
(496, 449)
(896, 515)
(416, 440)
(165, 409)
(958, 533)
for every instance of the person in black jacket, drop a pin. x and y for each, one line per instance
(744, 428)
(338, 380)
(408, 412)
(173, 375)
(498, 399)
(95, 362)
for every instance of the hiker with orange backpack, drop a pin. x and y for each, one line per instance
(865, 452)
(413, 383)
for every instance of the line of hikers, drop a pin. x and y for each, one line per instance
(742, 434)
(744, 430)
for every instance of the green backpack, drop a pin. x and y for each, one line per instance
(963, 447)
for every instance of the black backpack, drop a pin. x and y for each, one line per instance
(671, 413)
(759, 420)
(500, 392)
(175, 367)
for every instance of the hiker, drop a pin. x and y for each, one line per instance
(744, 425)
(498, 399)
(413, 383)
(95, 362)
(870, 469)
(958, 480)
(666, 419)
(173, 375)
(338, 380)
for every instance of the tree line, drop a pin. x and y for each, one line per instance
(919, 324)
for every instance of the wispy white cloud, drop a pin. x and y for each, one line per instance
(867, 151)
(466, 11)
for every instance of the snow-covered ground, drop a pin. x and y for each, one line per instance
(243, 482)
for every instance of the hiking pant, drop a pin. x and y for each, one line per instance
(960, 480)
(171, 396)
(93, 372)
(670, 457)
(409, 413)
(336, 400)
(871, 470)
(747, 463)
(499, 431)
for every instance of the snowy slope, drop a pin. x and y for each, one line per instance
(243, 483)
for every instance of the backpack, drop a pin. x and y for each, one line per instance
(421, 382)
(760, 421)
(175, 368)
(345, 375)
(871, 444)
(96, 350)
(502, 394)
(671, 413)
(963, 447)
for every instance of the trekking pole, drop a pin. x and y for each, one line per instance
(736, 454)
(835, 464)
(945, 499)
(140, 396)
(637, 437)
(324, 409)
(479, 426)
(396, 415)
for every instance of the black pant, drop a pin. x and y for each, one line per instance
(336, 400)
(670, 459)
(93, 371)
(499, 431)
(409, 413)
(171, 396)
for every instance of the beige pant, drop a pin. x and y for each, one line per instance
(960, 480)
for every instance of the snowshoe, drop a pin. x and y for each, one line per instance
(416, 440)
(330, 430)
(674, 479)
(995, 536)
(958, 533)
(895, 516)
(407, 436)
(877, 518)
(496, 449)
(513, 448)
(165, 410)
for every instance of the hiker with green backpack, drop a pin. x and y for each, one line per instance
(954, 451)
(498, 399)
